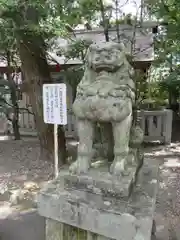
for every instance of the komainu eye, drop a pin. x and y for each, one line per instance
(108, 56)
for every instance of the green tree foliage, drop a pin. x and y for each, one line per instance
(8, 53)
(76, 49)
(32, 24)
(167, 46)
(29, 26)
(5, 103)
(9, 103)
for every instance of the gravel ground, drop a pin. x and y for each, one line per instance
(168, 200)
(19, 162)
(20, 169)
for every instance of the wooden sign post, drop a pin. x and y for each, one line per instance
(55, 112)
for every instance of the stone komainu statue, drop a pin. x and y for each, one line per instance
(105, 95)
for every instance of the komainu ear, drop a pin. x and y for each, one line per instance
(122, 47)
(125, 50)
(86, 56)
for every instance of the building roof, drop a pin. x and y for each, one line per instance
(53, 58)
(141, 36)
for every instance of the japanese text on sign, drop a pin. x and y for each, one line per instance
(54, 103)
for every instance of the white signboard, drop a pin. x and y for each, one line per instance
(54, 104)
(55, 112)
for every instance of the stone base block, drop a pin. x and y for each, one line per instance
(95, 213)
(100, 181)
(60, 231)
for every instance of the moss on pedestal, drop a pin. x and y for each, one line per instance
(60, 231)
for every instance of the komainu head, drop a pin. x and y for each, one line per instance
(107, 56)
(106, 91)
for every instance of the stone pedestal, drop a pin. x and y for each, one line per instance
(97, 206)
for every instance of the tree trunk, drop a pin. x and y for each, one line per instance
(36, 73)
(173, 100)
(15, 125)
(14, 100)
(105, 21)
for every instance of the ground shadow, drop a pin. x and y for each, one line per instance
(23, 226)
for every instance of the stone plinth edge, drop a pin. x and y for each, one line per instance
(104, 215)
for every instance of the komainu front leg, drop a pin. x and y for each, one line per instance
(121, 132)
(84, 156)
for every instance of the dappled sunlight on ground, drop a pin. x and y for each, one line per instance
(5, 211)
(22, 174)
(5, 138)
(172, 163)
(168, 200)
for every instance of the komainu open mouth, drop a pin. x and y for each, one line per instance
(100, 68)
(105, 68)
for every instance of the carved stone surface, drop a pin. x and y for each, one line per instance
(99, 200)
(95, 211)
(59, 231)
(105, 95)
(101, 182)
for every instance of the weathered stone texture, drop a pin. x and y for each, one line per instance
(59, 231)
(117, 199)
(105, 96)
(103, 215)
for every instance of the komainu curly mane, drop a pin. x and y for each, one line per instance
(105, 96)
(108, 76)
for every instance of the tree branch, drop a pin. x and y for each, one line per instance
(166, 7)
(5, 101)
(6, 114)
(10, 105)
(27, 110)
